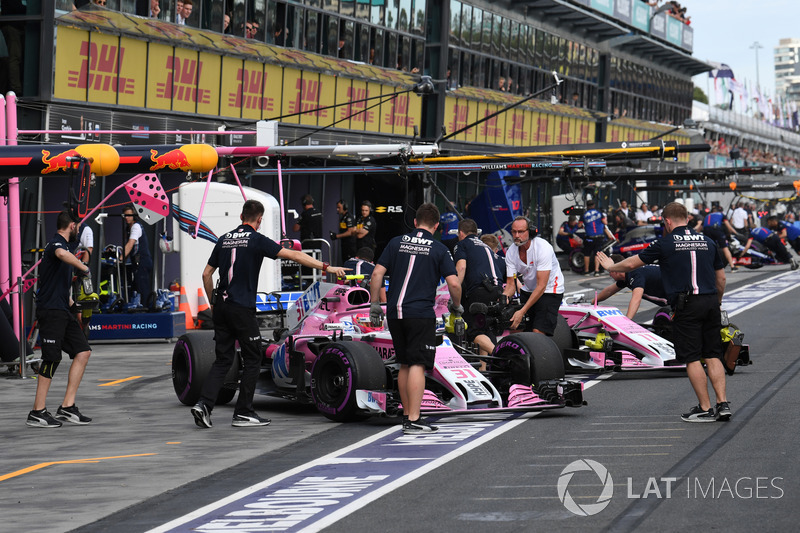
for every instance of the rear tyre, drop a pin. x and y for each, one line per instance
(576, 262)
(532, 353)
(341, 369)
(191, 360)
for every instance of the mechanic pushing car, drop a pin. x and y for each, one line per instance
(645, 283)
(239, 254)
(694, 280)
(415, 262)
(480, 274)
(533, 261)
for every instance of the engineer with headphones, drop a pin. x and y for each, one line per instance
(532, 261)
(365, 227)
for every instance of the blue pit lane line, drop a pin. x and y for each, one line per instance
(317, 494)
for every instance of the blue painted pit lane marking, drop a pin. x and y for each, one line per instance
(315, 495)
(749, 296)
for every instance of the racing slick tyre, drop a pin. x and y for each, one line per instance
(662, 323)
(341, 369)
(563, 336)
(191, 360)
(576, 262)
(533, 358)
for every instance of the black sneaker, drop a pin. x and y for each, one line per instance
(252, 420)
(723, 412)
(71, 414)
(734, 269)
(201, 414)
(696, 414)
(42, 419)
(415, 427)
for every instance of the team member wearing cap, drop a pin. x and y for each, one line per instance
(58, 327)
(694, 279)
(533, 261)
(416, 262)
(480, 274)
(238, 255)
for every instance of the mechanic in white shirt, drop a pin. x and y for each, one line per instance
(85, 244)
(533, 261)
(643, 215)
(739, 219)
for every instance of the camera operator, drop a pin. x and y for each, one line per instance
(533, 261)
(480, 274)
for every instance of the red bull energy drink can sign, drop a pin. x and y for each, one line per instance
(148, 198)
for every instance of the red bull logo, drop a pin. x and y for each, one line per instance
(173, 160)
(58, 161)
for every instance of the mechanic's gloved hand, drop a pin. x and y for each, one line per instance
(376, 314)
(456, 310)
(85, 276)
(333, 236)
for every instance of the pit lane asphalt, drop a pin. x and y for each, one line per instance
(142, 462)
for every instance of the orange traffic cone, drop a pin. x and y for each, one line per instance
(187, 311)
(202, 305)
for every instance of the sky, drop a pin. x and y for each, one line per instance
(724, 30)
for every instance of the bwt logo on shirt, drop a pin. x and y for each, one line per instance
(688, 237)
(238, 235)
(417, 240)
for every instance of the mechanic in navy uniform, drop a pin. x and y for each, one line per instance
(347, 231)
(694, 279)
(238, 255)
(645, 284)
(416, 262)
(773, 242)
(567, 232)
(715, 225)
(533, 262)
(594, 221)
(365, 227)
(59, 328)
(481, 274)
(362, 264)
(137, 254)
(309, 223)
(789, 232)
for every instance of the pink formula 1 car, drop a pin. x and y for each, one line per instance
(332, 355)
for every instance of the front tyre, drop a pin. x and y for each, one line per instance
(576, 262)
(534, 358)
(340, 370)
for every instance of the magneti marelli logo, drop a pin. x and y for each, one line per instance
(585, 465)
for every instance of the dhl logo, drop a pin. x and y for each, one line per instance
(460, 114)
(58, 161)
(398, 113)
(173, 160)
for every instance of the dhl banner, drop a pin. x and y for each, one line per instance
(99, 68)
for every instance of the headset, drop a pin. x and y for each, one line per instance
(307, 199)
(345, 207)
(533, 231)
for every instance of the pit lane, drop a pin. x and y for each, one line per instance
(98, 477)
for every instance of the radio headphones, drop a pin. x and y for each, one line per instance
(307, 199)
(533, 231)
(345, 207)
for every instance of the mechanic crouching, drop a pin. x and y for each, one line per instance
(480, 274)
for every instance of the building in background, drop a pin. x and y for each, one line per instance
(787, 70)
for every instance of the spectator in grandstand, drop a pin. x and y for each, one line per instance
(226, 23)
(179, 13)
(575, 100)
(249, 30)
(155, 9)
(501, 84)
(642, 215)
(187, 10)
